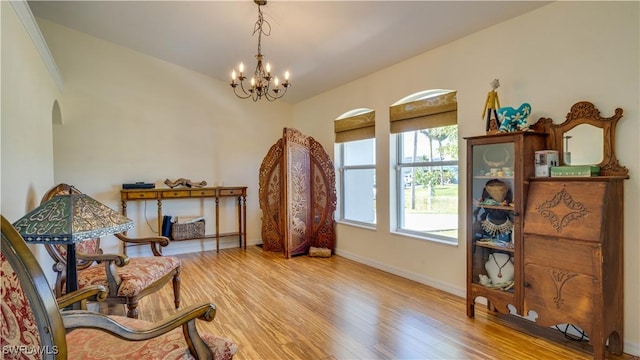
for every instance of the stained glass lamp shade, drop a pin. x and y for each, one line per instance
(70, 218)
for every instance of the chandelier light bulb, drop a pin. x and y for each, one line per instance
(241, 68)
(286, 76)
(268, 68)
(276, 82)
(233, 75)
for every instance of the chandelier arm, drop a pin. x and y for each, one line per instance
(239, 95)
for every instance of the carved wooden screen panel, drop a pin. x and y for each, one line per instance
(297, 195)
(323, 180)
(270, 194)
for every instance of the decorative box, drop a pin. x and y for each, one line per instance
(193, 230)
(575, 170)
(545, 159)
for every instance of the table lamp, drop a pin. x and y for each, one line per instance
(69, 219)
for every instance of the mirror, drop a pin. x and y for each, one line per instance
(584, 145)
(587, 130)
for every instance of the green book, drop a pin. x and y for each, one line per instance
(575, 170)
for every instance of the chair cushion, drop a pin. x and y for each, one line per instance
(136, 276)
(95, 344)
(19, 326)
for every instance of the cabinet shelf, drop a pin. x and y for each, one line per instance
(492, 289)
(492, 177)
(498, 207)
(493, 245)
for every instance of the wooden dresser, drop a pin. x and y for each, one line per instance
(560, 239)
(573, 250)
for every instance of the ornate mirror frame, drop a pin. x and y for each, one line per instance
(585, 112)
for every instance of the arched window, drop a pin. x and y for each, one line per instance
(356, 164)
(426, 130)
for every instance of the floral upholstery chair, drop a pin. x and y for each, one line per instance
(133, 279)
(33, 327)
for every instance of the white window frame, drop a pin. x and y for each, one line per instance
(341, 170)
(399, 194)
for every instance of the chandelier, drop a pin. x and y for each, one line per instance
(262, 84)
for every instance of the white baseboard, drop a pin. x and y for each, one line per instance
(461, 292)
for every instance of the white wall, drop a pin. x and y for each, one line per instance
(28, 96)
(552, 58)
(131, 117)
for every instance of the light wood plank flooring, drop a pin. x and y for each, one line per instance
(335, 308)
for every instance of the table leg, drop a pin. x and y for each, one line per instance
(217, 226)
(240, 221)
(244, 221)
(159, 217)
(124, 213)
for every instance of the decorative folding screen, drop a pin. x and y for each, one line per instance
(297, 195)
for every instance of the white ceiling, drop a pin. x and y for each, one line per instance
(323, 44)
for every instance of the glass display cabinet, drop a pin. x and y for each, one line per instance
(498, 169)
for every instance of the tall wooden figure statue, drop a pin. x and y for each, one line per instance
(492, 104)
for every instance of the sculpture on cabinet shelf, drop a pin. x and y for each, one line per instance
(492, 104)
(297, 195)
(514, 119)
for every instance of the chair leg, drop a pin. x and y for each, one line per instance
(176, 288)
(132, 309)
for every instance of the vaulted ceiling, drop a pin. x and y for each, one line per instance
(323, 44)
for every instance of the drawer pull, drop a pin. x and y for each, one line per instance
(526, 284)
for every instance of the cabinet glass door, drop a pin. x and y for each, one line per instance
(492, 211)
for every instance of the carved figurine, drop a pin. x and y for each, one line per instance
(492, 104)
(185, 182)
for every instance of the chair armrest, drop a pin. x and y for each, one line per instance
(99, 292)
(153, 241)
(110, 263)
(186, 318)
(119, 260)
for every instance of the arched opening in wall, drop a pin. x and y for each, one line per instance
(56, 114)
(355, 160)
(425, 125)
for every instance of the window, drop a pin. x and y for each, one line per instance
(426, 171)
(356, 165)
(357, 181)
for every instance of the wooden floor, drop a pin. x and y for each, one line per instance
(335, 308)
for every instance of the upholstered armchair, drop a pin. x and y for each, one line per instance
(127, 279)
(33, 326)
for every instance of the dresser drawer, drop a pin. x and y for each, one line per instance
(175, 194)
(574, 256)
(133, 195)
(566, 209)
(230, 192)
(203, 192)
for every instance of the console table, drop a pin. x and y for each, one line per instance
(160, 194)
